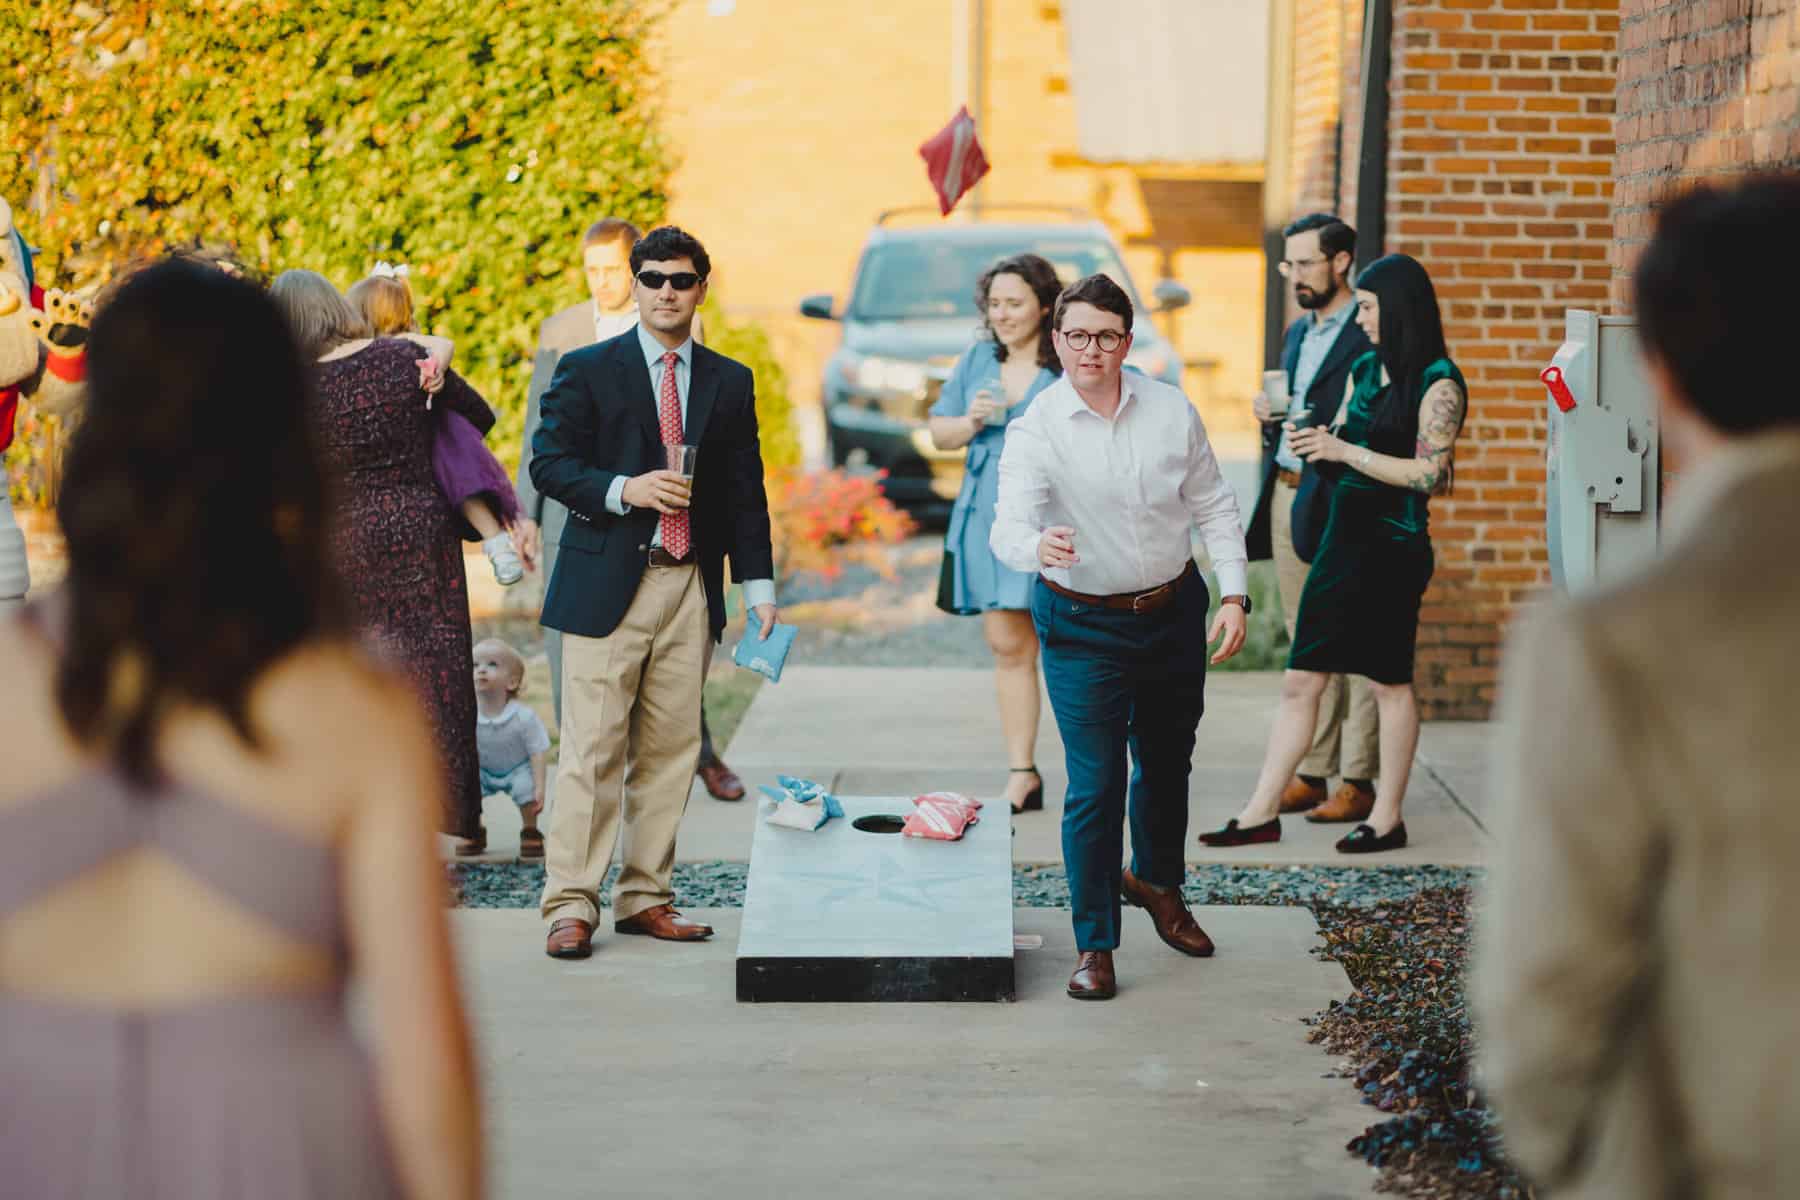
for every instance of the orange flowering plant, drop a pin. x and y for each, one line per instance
(824, 519)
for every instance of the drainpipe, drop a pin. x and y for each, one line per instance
(978, 53)
(1277, 191)
(1371, 167)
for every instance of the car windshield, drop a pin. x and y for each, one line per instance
(935, 277)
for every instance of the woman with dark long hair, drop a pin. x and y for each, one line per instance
(214, 809)
(1390, 451)
(994, 382)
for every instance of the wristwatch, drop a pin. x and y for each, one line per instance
(1242, 602)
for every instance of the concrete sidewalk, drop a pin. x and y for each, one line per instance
(637, 1073)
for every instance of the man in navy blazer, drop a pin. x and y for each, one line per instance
(1291, 508)
(638, 588)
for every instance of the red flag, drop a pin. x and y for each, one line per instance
(953, 160)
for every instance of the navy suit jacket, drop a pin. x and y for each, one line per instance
(598, 422)
(1324, 397)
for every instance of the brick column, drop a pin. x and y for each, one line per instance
(1500, 157)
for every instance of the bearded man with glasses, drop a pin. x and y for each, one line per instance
(1102, 483)
(638, 589)
(1290, 509)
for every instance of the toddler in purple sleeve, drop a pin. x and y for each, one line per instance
(470, 477)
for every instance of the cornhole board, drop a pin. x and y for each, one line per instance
(847, 914)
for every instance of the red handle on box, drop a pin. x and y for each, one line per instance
(1552, 378)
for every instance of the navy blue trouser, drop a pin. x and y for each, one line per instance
(1123, 682)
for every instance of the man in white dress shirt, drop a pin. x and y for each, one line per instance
(1102, 483)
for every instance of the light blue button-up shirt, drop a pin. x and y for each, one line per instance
(1315, 344)
(756, 591)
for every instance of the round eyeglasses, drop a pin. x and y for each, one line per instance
(1078, 339)
(1299, 264)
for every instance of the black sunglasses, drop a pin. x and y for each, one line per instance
(682, 281)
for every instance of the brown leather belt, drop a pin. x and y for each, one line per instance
(662, 558)
(1291, 478)
(1138, 602)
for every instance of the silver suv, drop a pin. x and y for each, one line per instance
(911, 314)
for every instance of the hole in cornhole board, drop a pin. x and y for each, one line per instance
(879, 823)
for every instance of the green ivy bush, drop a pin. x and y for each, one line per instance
(749, 343)
(473, 142)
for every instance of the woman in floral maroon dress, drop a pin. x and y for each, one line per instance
(397, 545)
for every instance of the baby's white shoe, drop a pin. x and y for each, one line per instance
(500, 550)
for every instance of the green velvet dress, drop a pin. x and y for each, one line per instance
(1359, 611)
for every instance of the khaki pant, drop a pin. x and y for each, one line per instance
(1349, 727)
(630, 745)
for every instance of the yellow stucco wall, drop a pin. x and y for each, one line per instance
(797, 121)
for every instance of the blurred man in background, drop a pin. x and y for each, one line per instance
(1639, 970)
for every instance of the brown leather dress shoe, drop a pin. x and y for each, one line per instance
(721, 781)
(1302, 796)
(1351, 803)
(665, 923)
(571, 937)
(1093, 978)
(1175, 925)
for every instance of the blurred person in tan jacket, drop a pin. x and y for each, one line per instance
(1639, 968)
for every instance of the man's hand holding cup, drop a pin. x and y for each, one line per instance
(1056, 548)
(665, 491)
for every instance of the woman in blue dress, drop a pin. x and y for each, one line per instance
(993, 383)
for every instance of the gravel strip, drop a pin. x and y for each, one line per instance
(721, 885)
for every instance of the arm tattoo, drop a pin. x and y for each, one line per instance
(1440, 420)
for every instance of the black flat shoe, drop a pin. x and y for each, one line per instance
(1243, 835)
(1364, 840)
(1034, 799)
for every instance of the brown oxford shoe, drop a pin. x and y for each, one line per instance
(1350, 804)
(1093, 978)
(665, 923)
(1302, 796)
(1175, 925)
(721, 781)
(570, 937)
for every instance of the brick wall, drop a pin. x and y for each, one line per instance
(1499, 181)
(1707, 88)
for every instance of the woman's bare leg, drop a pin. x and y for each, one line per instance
(1399, 710)
(1289, 741)
(1014, 643)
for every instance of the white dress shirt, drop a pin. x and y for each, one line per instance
(608, 326)
(1133, 488)
(756, 591)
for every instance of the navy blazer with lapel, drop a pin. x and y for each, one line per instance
(598, 421)
(1324, 397)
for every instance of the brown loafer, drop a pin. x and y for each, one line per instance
(469, 847)
(531, 843)
(1302, 796)
(1175, 925)
(721, 781)
(1350, 804)
(570, 937)
(665, 923)
(1093, 978)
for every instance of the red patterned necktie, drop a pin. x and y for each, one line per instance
(675, 524)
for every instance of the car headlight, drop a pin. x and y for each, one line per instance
(889, 375)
